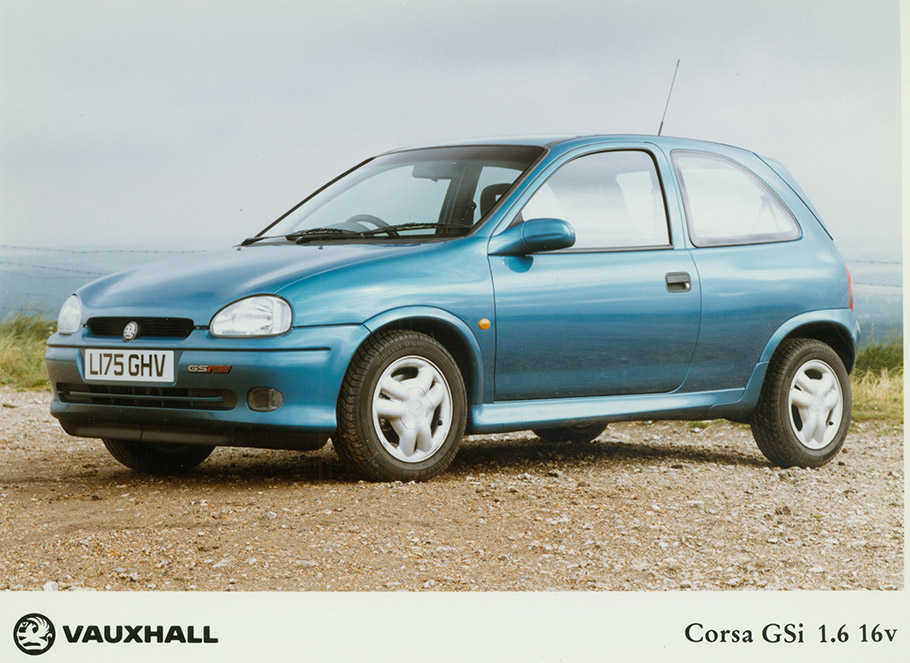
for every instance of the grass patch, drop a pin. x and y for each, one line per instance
(22, 346)
(878, 396)
(877, 356)
(878, 383)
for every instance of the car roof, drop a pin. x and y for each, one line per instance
(578, 140)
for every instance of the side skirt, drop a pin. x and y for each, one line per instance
(521, 415)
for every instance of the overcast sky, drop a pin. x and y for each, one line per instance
(151, 124)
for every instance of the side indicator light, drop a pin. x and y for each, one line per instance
(484, 323)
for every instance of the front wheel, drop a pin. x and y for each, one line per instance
(401, 409)
(158, 457)
(804, 408)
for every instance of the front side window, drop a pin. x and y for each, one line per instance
(613, 200)
(728, 204)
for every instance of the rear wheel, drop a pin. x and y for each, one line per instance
(580, 434)
(158, 457)
(401, 409)
(804, 409)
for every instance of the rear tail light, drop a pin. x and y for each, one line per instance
(849, 285)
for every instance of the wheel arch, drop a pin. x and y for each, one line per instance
(446, 328)
(829, 330)
(832, 335)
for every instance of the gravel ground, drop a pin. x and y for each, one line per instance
(648, 506)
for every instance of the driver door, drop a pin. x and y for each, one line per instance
(617, 313)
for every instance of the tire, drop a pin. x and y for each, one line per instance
(579, 434)
(804, 408)
(158, 457)
(401, 409)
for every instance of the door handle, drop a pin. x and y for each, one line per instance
(679, 282)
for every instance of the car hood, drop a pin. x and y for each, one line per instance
(197, 286)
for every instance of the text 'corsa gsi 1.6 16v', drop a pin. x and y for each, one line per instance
(552, 284)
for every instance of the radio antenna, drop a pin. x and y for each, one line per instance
(667, 105)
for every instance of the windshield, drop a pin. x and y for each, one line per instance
(430, 193)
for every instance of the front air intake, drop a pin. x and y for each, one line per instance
(152, 327)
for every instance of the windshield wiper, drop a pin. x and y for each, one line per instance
(305, 235)
(393, 230)
(314, 234)
(253, 240)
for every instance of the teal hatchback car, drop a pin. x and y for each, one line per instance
(552, 284)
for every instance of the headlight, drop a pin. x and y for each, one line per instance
(262, 315)
(70, 316)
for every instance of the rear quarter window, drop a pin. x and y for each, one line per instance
(728, 204)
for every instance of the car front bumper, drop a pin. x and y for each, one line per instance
(306, 365)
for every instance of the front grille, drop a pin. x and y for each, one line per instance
(156, 397)
(168, 327)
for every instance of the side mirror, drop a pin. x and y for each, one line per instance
(533, 236)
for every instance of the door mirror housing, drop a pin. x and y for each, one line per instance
(533, 236)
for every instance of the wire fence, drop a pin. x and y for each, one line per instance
(874, 262)
(55, 269)
(878, 285)
(47, 249)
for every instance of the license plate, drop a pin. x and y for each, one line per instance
(129, 365)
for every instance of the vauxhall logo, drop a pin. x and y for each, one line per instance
(131, 331)
(34, 634)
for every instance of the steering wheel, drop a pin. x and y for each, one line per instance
(372, 220)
